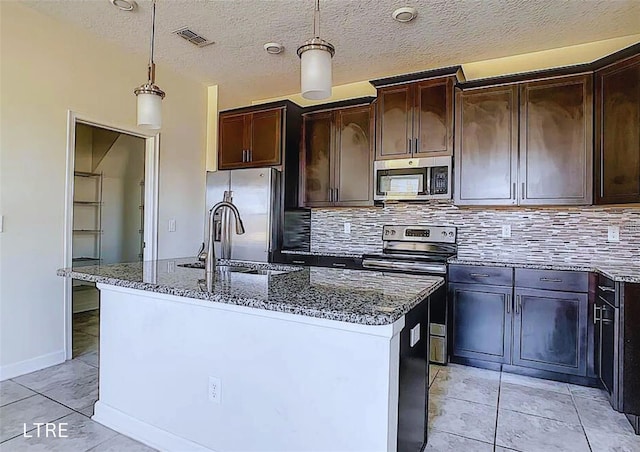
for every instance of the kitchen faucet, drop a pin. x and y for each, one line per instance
(209, 255)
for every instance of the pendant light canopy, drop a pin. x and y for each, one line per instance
(315, 63)
(150, 95)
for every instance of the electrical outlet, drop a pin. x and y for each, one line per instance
(347, 228)
(415, 335)
(172, 225)
(506, 231)
(613, 234)
(215, 390)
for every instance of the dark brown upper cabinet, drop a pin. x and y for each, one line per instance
(250, 139)
(336, 158)
(617, 132)
(556, 141)
(415, 119)
(486, 146)
(525, 144)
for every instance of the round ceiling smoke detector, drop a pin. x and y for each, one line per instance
(273, 48)
(124, 5)
(405, 14)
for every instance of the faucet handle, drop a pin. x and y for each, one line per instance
(202, 254)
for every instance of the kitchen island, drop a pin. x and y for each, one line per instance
(275, 358)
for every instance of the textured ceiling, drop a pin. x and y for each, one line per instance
(369, 43)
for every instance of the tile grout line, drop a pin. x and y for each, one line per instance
(575, 407)
(462, 436)
(495, 430)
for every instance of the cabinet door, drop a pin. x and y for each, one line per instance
(266, 138)
(556, 146)
(486, 158)
(433, 118)
(394, 123)
(550, 331)
(233, 142)
(617, 133)
(316, 181)
(353, 157)
(481, 322)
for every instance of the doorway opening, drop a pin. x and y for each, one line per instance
(111, 216)
(108, 218)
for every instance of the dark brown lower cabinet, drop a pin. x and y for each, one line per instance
(550, 330)
(481, 321)
(534, 322)
(617, 340)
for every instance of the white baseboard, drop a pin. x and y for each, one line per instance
(141, 431)
(31, 365)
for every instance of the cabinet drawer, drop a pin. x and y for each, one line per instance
(494, 276)
(340, 262)
(566, 281)
(298, 259)
(607, 290)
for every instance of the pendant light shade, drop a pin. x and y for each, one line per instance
(149, 94)
(315, 63)
(149, 111)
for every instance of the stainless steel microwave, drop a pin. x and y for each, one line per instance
(412, 179)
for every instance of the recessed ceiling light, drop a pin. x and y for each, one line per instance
(405, 14)
(274, 48)
(124, 5)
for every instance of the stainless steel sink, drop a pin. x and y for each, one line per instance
(239, 269)
(260, 271)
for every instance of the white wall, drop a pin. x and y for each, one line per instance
(46, 69)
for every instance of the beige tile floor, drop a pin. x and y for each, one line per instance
(470, 410)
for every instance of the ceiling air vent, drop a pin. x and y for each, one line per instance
(193, 37)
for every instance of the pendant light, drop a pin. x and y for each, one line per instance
(315, 63)
(149, 95)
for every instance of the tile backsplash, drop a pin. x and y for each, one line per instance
(568, 234)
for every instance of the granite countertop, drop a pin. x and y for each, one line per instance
(317, 253)
(620, 272)
(354, 296)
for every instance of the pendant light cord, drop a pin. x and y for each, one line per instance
(152, 66)
(316, 20)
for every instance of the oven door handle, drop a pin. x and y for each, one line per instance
(408, 266)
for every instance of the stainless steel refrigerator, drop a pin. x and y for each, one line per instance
(256, 193)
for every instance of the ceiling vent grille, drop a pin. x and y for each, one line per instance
(193, 37)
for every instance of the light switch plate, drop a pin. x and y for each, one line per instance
(215, 390)
(415, 335)
(613, 234)
(506, 231)
(172, 225)
(347, 228)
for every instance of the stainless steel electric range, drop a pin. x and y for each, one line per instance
(423, 250)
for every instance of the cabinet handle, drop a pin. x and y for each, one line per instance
(595, 314)
(522, 195)
(336, 196)
(513, 192)
(550, 280)
(244, 156)
(518, 304)
(330, 195)
(409, 144)
(607, 289)
(298, 262)
(508, 303)
(479, 275)
(417, 145)
(250, 154)
(336, 264)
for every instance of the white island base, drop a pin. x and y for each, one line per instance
(284, 382)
